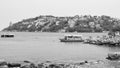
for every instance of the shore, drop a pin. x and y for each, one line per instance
(51, 64)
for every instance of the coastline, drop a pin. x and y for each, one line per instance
(51, 64)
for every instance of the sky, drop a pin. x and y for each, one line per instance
(17, 10)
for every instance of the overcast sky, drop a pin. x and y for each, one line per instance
(16, 10)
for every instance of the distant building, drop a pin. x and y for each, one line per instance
(71, 23)
(10, 24)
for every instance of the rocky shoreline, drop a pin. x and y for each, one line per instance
(104, 40)
(51, 64)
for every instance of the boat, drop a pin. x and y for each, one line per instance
(7, 35)
(72, 38)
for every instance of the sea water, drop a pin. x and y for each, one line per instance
(38, 46)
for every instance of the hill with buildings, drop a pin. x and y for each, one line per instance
(49, 23)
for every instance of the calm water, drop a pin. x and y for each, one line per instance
(46, 46)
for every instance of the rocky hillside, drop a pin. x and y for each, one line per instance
(48, 23)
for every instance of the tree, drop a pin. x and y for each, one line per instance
(115, 28)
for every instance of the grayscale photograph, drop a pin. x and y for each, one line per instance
(59, 34)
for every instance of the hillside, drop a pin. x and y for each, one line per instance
(76, 23)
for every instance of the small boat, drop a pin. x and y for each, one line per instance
(113, 56)
(7, 35)
(72, 38)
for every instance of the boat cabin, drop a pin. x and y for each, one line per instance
(72, 38)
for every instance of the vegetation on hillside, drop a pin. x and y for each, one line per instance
(48, 23)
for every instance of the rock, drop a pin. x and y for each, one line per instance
(30, 65)
(4, 66)
(26, 61)
(50, 65)
(14, 65)
(3, 63)
(40, 65)
(48, 61)
(55, 66)
(82, 63)
(113, 56)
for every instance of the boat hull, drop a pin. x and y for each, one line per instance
(63, 40)
(7, 36)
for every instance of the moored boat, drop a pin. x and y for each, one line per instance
(72, 38)
(7, 35)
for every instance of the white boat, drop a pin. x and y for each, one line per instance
(72, 38)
